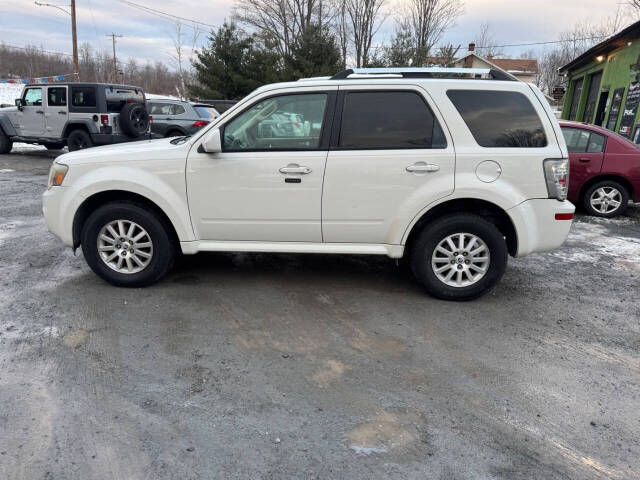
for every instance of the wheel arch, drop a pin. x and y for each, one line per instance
(602, 178)
(488, 210)
(90, 204)
(174, 128)
(78, 124)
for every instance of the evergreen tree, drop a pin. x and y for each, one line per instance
(401, 51)
(233, 65)
(314, 54)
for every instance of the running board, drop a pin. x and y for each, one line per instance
(393, 251)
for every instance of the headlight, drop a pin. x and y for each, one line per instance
(556, 173)
(57, 174)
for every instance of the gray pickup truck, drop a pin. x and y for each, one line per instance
(78, 115)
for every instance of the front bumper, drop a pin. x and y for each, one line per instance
(536, 225)
(54, 205)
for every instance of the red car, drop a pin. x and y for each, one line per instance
(604, 169)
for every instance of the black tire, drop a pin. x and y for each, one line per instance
(609, 187)
(79, 140)
(436, 232)
(134, 119)
(174, 133)
(5, 143)
(163, 253)
(54, 146)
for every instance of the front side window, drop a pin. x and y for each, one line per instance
(387, 119)
(287, 122)
(499, 119)
(83, 96)
(33, 97)
(57, 96)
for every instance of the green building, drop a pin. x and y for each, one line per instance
(603, 84)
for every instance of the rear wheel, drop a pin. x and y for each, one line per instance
(606, 199)
(127, 245)
(5, 143)
(460, 257)
(79, 140)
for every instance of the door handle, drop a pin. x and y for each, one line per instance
(62, 112)
(295, 168)
(41, 112)
(421, 167)
(584, 159)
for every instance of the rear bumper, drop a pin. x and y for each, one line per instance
(536, 225)
(110, 138)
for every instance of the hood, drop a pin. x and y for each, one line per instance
(143, 150)
(8, 108)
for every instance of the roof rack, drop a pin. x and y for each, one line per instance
(427, 72)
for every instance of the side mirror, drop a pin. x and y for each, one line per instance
(212, 142)
(19, 103)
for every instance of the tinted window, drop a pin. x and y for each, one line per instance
(592, 97)
(159, 108)
(596, 143)
(177, 110)
(117, 97)
(575, 99)
(57, 96)
(389, 120)
(499, 119)
(33, 96)
(83, 96)
(289, 122)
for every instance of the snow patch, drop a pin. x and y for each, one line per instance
(9, 92)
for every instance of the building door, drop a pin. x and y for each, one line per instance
(592, 97)
(602, 107)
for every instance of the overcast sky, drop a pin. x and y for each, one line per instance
(148, 37)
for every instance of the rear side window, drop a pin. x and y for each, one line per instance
(177, 110)
(583, 141)
(117, 97)
(57, 96)
(389, 120)
(83, 96)
(499, 119)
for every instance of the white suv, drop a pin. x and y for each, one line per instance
(442, 167)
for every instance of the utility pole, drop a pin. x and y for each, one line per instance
(115, 61)
(74, 36)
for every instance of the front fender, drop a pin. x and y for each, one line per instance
(165, 188)
(6, 125)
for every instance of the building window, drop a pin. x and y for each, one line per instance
(592, 98)
(575, 99)
(614, 112)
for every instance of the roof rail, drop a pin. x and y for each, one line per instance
(427, 72)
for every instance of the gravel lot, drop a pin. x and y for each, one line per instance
(292, 366)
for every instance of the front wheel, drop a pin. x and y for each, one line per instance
(606, 199)
(127, 245)
(459, 257)
(5, 143)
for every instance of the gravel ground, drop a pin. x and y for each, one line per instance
(292, 366)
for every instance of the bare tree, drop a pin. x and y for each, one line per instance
(341, 27)
(429, 19)
(281, 21)
(486, 42)
(365, 18)
(183, 50)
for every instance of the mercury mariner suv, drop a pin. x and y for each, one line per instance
(450, 169)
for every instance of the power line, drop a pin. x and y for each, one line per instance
(545, 43)
(165, 15)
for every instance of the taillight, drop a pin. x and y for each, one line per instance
(200, 123)
(564, 216)
(150, 118)
(104, 119)
(556, 173)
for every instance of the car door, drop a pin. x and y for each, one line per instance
(31, 117)
(266, 184)
(56, 111)
(586, 154)
(389, 159)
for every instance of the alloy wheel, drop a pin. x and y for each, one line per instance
(606, 200)
(124, 246)
(460, 260)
